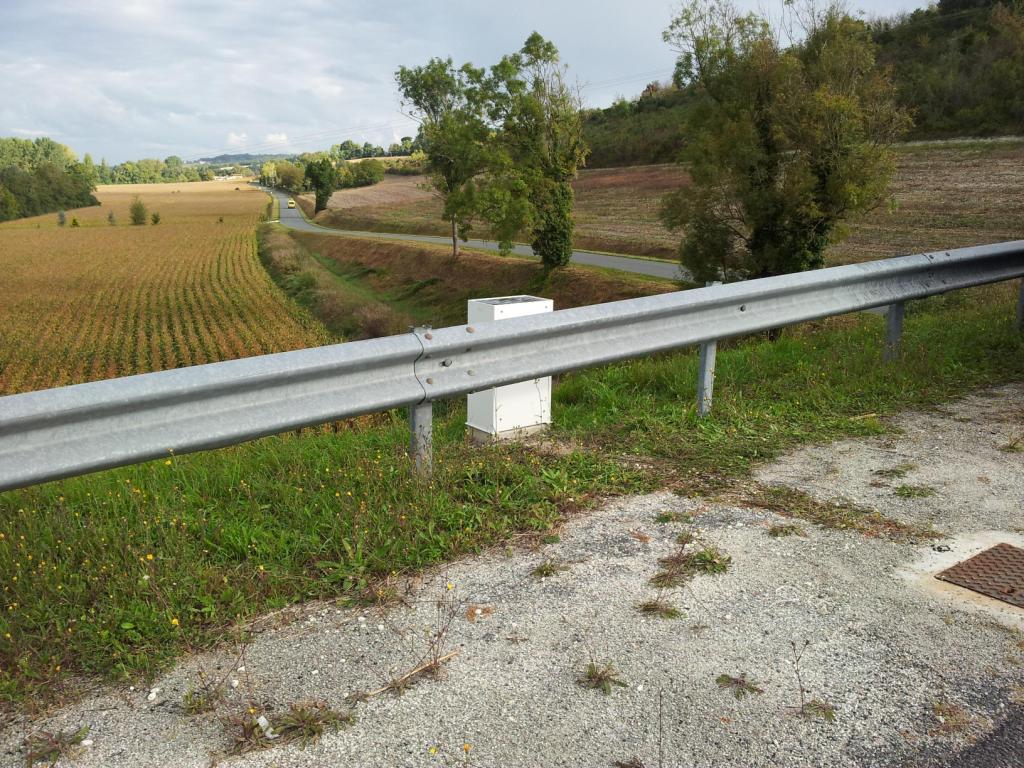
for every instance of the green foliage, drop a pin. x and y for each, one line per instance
(289, 176)
(650, 129)
(502, 144)
(786, 143)
(451, 105)
(74, 222)
(552, 234)
(137, 212)
(365, 173)
(542, 136)
(155, 218)
(42, 176)
(958, 67)
(62, 218)
(110, 219)
(323, 178)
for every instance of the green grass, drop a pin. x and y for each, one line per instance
(117, 573)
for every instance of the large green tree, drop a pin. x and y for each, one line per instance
(323, 178)
(785, 143)
(542, 132)
(451, 106)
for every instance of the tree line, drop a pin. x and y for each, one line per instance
(957, 66)
(152, 171)
(42, 176)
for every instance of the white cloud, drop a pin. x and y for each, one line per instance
(276, 138)
(237, 140)
(30, 132)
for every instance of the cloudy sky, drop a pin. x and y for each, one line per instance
(125, 79)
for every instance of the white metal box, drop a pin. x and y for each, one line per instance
(514, 409)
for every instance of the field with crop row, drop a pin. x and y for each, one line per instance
(100, 300)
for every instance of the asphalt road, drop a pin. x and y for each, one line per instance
(293, 219)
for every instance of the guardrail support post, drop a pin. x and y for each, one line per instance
(893, 331)
(421, 441)
(1020, 308)
(706, 377)
(706, 373)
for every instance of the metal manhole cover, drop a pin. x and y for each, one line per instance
(997, 572)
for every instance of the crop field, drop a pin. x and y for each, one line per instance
(944, 195)
(100, 300)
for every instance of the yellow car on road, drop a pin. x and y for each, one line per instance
(291, 203)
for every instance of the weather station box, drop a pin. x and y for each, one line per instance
(513, 410)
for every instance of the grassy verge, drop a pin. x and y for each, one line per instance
(116, 573)
(361, 288)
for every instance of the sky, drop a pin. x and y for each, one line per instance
(127, 79)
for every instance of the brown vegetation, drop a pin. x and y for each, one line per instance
(946, 194)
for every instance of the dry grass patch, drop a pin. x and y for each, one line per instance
(836, 513)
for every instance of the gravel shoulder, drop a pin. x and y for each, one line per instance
(916, 676)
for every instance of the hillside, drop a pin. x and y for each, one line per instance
(958, 68)
(945, 194)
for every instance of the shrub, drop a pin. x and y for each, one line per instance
(110, 219)
(155, 218)
(74, 222)
(138, 212)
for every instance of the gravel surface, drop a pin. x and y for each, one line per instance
(916, 676)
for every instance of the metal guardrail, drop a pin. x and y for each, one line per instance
(57, 433)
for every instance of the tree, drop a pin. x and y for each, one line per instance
(450, 105)
(542, 132)
(784, 144)
(321, 175)
(8, 204)
(155, 218)
(289, 176)
(137, 212)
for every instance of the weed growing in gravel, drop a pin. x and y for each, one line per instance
(668, 516)
(900, 470)
(548, 568)
(809, 708)
(634, 762)
(303, 723)
(200, 700)
(601, 677)
(44, 746)
(914, 491)
(814, 709)
(1014, 446)
(837, 513)
(682, 565)
(659, 607)
(781, 530)
(739, 686)
(951, 718)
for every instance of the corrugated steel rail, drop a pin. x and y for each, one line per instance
(68, 431)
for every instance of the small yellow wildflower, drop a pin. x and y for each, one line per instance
(149, 555)
(174, 622)
(450, 586)
(432, 750)
(466, 747)
(168, 462)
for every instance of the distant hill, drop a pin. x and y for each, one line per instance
(957, 66)
(242, 159)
